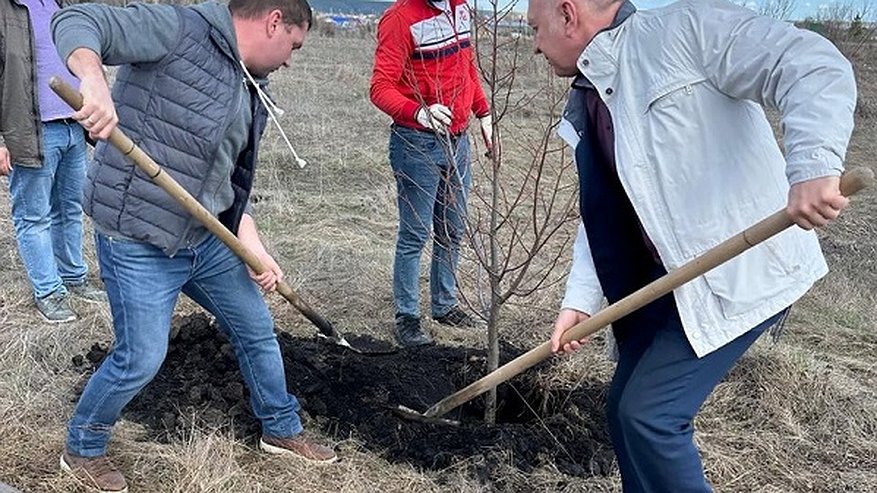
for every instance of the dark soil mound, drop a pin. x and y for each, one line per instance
(347, 394)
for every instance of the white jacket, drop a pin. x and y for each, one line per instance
(698, 159)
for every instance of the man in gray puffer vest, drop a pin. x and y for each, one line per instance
(181, 95)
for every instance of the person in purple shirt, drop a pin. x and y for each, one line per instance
(42, 150)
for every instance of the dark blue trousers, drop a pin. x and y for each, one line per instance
(658, 388)
(659, 384)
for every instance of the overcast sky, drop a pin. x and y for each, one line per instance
(805, 8)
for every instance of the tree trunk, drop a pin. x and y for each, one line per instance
(495, 300)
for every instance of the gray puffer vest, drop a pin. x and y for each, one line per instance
(177, 110)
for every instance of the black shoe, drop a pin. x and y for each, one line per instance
(455, 317)
(55, 307)
(88, 291)
(409, 333)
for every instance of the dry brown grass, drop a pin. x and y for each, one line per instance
(798, 416)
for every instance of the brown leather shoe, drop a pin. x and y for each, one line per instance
(94, 472)
(300, 445)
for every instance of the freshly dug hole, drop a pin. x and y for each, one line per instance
(350, 395)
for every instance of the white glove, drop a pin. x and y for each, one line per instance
(436, 117)
(487, 131)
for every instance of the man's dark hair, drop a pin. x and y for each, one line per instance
(296, 12)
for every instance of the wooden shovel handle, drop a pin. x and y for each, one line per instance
(852, 182)
(129, 149)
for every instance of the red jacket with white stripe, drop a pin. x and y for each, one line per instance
(424, 56)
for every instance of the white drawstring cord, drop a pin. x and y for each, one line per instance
(273, 110)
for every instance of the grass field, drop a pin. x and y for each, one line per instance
(797, 416)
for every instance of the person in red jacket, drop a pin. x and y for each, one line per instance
(426, 79)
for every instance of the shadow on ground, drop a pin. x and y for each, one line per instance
(351, 395)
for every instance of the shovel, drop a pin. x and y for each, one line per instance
(127, 147)
(851, 182)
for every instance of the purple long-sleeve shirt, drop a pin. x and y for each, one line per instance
(48, 63)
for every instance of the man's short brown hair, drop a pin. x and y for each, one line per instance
(297, 12)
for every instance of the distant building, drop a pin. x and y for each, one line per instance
(345, 21)
(354, 14)
(513, 23)
(350, 7)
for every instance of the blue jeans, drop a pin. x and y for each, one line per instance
(658, 388)
(143, 285)
(47, 210)
(432, 187)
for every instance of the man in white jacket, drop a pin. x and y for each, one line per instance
(693, 162)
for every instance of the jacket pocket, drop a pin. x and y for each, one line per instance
(669, 94)
(747, 281)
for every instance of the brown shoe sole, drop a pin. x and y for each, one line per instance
(66, 468)
(272, 449)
